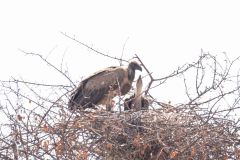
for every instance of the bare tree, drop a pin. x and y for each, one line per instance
(206, 126)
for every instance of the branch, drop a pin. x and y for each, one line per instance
(50, 64)
(91, 48)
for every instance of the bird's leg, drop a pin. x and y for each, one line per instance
(109, 104)
(108, 107)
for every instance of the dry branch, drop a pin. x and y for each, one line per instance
(40, 126)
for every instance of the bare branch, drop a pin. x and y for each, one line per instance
(91, 48)
(205, 126)
(45, 60)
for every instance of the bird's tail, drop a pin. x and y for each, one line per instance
(75, 99)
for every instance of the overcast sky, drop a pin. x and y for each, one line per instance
(165, 34)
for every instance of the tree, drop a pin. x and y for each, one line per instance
(39, 125)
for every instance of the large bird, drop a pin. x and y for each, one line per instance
(103, 86)
(137, 101)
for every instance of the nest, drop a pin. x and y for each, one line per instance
(151, 134)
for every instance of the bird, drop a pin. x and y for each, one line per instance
(137, 101)
(101, 87)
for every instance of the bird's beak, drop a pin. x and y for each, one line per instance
(139, 78)
(138, 67)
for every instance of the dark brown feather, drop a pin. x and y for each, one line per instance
(137, 101)
(129, 103)
(95, 88)
(103, 86)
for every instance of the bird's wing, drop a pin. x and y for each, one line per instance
(96, 86)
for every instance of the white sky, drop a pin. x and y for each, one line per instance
(165, 34)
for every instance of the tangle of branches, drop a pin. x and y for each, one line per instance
(38, 125)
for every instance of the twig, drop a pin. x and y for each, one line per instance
(91, 48)
(50, 64)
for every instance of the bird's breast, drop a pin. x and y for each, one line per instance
(126, 85)
(125, 88)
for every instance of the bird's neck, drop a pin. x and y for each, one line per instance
(137, 100)
(138, 92)
(131, 74)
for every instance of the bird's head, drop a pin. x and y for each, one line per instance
(131, 69)
(134, 66)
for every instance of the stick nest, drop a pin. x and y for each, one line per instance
(151, 134)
